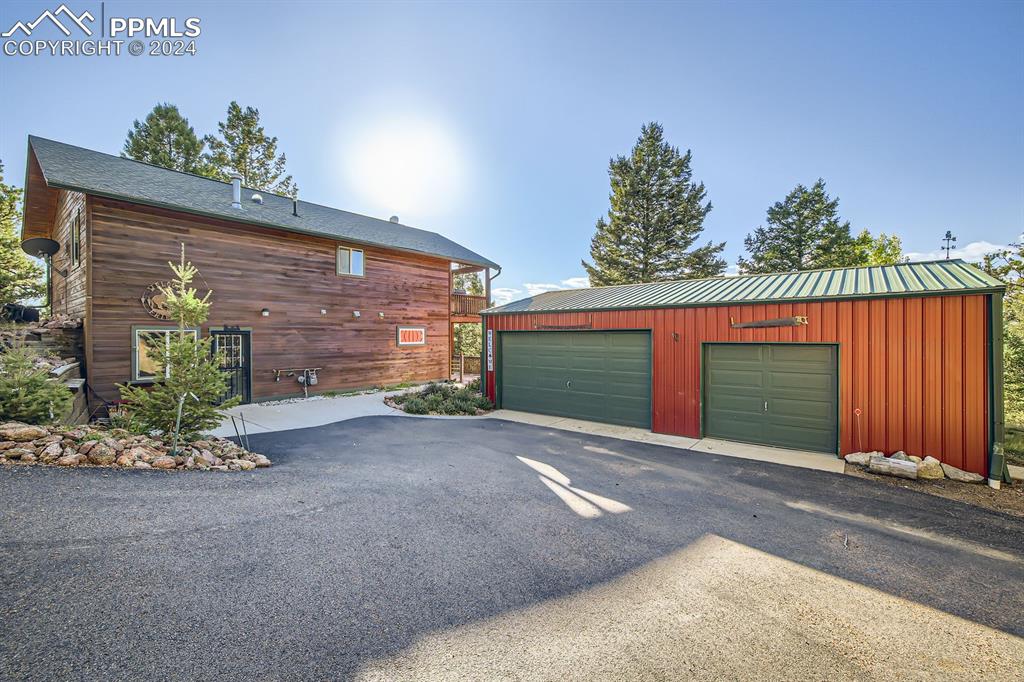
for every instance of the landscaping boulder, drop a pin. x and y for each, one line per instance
(19, 453)
(261, 461)
(50, 453)
(902, 456)
(164, 462)
(101, 454)
(915, 459)
(68, 460)
(930, 468)
(861, 458)
(892, 467)
(21, 433)
(961, 475)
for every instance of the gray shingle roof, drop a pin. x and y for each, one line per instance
(903, 279)
(84, 170)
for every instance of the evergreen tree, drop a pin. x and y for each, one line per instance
(28, 393)
(20, 278)
(656, 214)
(166, 139)
(804, 232)
(187, 400)
(244, 147)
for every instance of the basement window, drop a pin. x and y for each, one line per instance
(350, 262)
(149, 352)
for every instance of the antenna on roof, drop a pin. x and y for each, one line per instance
(950, 240)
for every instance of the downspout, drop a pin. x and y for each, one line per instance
(998, 472)
(483, 330)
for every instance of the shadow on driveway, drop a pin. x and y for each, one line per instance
(369, 537)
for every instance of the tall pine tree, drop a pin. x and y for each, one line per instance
(165, 139)
(244, 147)
(656, 214)
(21, 279)
(803, 232)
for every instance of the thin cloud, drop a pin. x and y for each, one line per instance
(975, 251)
(534, 288)
(503, 295)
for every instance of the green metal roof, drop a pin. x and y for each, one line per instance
(904, 279)
(84, 170)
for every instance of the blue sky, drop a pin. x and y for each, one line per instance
(493, 124)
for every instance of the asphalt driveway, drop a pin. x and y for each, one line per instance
(392, 547)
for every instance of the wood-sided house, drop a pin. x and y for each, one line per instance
(297, 286)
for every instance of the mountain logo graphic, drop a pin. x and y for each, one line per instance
(54, 18)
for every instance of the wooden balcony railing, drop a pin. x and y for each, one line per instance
(464, 304)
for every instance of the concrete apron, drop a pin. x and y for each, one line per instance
(710, 446)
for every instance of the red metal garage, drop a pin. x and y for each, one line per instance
(918, 357)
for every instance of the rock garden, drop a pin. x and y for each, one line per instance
(84, 445)
(903, 465)
(152, 427)
(443, 399)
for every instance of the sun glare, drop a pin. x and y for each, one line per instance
(412, 167)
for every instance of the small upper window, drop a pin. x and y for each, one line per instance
(76, 240)
(350, 261)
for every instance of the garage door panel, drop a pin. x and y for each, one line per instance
(800, 409)
(787, 397)
(608, 375)
(800, 381)
(735, 353)
(739, 378)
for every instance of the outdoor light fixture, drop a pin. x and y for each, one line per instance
(380, 315)
(323, 311)
(265, 312)
(355, 313)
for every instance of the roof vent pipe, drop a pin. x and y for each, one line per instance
(295, 207)
(236, 191)
(393, 219)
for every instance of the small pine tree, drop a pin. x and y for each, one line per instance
(27, 393)
(166, 139)
(804, 232)
(656, 215)
(244, 147)
(188, 400)
(20, 278)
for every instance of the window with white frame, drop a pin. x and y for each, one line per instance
(349, 262)
(149, 351)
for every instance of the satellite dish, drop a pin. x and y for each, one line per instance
(40, 247)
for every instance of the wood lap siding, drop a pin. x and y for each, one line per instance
(251, 268)
(69, 294)
(916, 367)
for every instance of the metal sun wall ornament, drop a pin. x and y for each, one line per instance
(155, 302)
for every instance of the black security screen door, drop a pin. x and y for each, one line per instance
(233, 352)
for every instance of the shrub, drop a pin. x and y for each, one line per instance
(188, 400)
(416, 405)
(28, 393)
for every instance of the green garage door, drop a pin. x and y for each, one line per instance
(774, 394)
(598, 376)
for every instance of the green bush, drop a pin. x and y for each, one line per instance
(415, 405)
(438, 398)
(27, 393)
